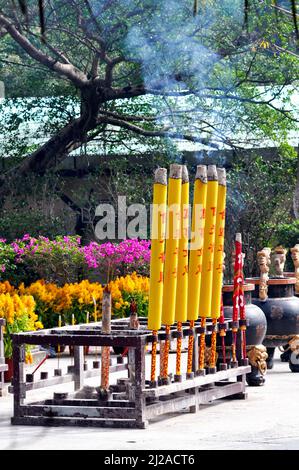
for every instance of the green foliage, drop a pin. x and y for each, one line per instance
(59, 260)
(33, 207)
(26, 123)
(56, 260)
(286, 234)
(161, 45)
(8, 268)
(17, 221)
(139, 298)
(260, 197)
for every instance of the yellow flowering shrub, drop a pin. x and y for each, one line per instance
(76, 300)
(127, 289)
(19, 313)
(6, 288)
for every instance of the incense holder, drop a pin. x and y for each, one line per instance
(255, 334)
(282, 312)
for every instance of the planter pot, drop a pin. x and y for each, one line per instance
(255, 333)
(282, 312)
(8, 374)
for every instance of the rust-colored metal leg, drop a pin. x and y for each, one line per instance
(202, 347)
(178, 375)
(190, 373)
(154, 361)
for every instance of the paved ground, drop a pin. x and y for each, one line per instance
(269, 419)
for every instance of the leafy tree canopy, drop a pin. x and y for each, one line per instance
(212, 77)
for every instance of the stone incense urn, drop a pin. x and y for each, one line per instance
(281, 308)
(255, 333)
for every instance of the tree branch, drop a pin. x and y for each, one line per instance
(51, 48)
(67, 70)
(156, 133)
(283, 10)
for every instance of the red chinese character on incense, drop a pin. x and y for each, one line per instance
(185, 213)
(161, 278)
(199, 269)
(176, 252)
(210, 266)
(221, 232)
(222, 213)
(203, 214)
(212, 230)
(199, 252)
(213, 209)
(175, 272)
(185, 253)
(219, 268)
(162, 257)
(211, 247)
(185, 269)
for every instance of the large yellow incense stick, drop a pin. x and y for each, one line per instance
(196, 250)
(182, 281)
(171, 257)
(197, 238)
(157, 260)
(218, 261)
(205, 301)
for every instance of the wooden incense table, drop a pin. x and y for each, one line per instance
(132, 402)
(3, 366)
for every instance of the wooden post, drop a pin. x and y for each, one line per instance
(78, 367)
(134, 325)
(141, 421)
(18, 377)
(106, 328)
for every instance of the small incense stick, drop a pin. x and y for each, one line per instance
(236, 295)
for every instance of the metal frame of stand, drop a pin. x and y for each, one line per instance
(133, 401)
